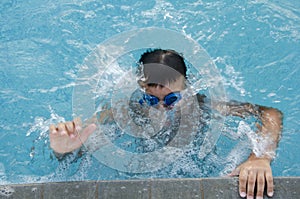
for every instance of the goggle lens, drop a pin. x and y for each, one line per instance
(169, 100)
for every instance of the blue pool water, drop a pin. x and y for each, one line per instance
(254, 44)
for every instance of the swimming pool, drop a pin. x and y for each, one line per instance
(254, 44)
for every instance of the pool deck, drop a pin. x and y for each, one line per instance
(227, 188)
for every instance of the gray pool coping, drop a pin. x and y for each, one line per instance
(285, 187)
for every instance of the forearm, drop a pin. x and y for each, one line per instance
(270, 129)
(269, 125)
(256, 171)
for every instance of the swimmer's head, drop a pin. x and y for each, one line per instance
(162, 68)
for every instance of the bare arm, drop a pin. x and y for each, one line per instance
(271, 121)
(256, 170)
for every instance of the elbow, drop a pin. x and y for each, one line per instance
(273, 117)
(274, 113)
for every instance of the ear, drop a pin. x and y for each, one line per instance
(142, 84)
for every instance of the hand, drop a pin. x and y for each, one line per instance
(254, 171)
(65, 137)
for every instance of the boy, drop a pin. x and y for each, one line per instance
(162, 79)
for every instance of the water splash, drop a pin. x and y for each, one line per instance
(259, 143)
(41, 126)
(235, 157)
(232, 78)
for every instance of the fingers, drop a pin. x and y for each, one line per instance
(52, 129)
(243, 177)
(260, 184)
(235, 172)
(248, 180)
(259, 179)
(70, 128)
(87, 132)
(251, 184)
(77, 124)
(270, 185)
(61, 128)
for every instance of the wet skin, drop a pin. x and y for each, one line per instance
(254, 172)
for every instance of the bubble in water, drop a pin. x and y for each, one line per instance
(41, 126)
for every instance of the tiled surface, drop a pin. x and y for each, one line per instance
(72, 190)
(206, 188)
(287, 188)
(32, 191)
(220, 188)
(174, 188)
(124, 189)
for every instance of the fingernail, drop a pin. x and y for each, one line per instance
(250, 197)
(259, 197)
(243, 194)
(270, 193)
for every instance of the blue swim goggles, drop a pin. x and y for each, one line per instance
(169, 100)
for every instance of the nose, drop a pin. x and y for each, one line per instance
(160, 105)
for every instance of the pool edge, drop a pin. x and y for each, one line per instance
(285, 187)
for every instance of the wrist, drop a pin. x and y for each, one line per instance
(267, 157)
(78, 153)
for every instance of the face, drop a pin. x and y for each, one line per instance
(162, 91)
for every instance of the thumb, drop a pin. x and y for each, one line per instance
(235, 172)
(87, 131)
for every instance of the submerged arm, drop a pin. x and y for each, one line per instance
(256, 169)
(270, 118)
